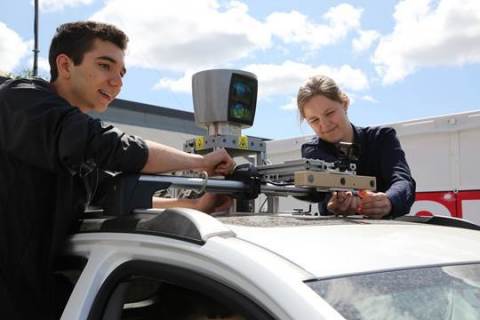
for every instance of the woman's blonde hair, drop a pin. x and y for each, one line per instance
(319, 85)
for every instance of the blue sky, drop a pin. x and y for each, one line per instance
(397, 60)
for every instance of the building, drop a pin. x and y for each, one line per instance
(167, 126)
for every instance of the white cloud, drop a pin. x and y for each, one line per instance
(58, 5)
(282, 80)
(369, 99)
(364, 40)
(213, 33)
(426, 35)
(12, 48)
(182, 34)
(291, 105)
(43, 64)
(183, 84)
(343, 76)
(294, 27)
(43, 67)
(286, 78)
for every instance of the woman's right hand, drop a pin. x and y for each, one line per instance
(343, 203)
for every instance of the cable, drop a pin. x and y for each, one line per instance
(261, 206)
(280, 184)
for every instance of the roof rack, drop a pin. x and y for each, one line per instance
(126, 192)
(178, 223)
(127, 203)
(441, 221)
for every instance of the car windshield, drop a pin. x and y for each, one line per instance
(441, 293)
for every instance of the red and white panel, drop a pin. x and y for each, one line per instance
(461, 204)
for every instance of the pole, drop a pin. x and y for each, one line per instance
(35, 48)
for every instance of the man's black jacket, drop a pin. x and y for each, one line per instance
(51, 155)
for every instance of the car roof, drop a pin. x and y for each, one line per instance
(322, 246)
(331, 247)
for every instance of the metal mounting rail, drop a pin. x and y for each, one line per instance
(286, 170)
(221, 186)
(126, 192)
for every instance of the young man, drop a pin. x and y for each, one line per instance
(52, 153)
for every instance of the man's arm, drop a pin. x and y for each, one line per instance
(162, 158)
(208, 203)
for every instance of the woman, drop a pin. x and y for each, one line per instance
(324, 106)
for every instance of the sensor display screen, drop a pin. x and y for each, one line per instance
(242, 99)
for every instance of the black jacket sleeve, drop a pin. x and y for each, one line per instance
(40, 128)
(395, 171)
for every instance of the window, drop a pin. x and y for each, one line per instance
(67, 271)
(447, 292)
(149, 290)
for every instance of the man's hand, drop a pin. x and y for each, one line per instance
(211, 203)
(374, 205)
(343, 203)
(208, 203)
(218, 162)
(162, 158)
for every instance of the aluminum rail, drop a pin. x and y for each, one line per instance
(222, 185)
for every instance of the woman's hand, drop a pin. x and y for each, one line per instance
(343, 203)
(374, 205)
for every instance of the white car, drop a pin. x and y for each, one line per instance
(184, 264)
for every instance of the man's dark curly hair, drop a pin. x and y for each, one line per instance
(76, 38)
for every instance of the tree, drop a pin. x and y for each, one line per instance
(25, 73)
